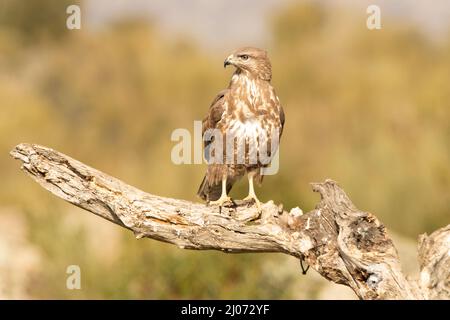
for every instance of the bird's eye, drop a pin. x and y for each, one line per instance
(244, 57)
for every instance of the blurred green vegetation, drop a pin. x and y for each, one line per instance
(369, 109)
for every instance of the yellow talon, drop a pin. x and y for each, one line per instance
(223, 198)
(221, 201)
(251, 193)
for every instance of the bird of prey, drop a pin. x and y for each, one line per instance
(250, 119)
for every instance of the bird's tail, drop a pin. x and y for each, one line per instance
(212, 192)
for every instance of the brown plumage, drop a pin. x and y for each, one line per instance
(249, 116)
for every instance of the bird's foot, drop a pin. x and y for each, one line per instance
(253, 199)
(221, 202)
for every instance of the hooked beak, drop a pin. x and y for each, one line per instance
(228, 61)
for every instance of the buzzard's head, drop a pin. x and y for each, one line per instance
(252, 60)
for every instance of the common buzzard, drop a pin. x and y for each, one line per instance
(242, 129)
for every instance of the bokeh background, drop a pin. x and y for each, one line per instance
(369, 109)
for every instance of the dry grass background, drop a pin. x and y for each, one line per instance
(368, 109)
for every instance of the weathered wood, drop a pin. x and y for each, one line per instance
(434, 261)
(342, 243)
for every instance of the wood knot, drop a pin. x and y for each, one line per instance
(373, 280)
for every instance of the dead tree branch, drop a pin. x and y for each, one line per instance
(342, 243)
(434, 260)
